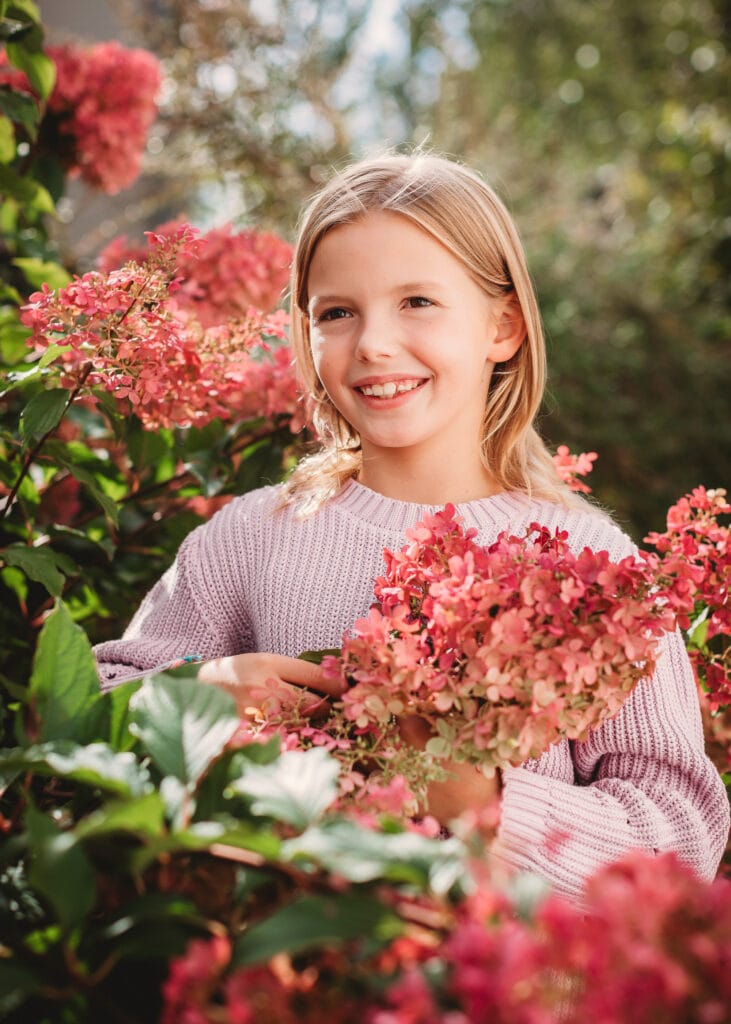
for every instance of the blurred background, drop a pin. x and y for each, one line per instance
(603, 125)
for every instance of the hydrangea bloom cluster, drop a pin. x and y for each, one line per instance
(126, 332)
(650, 943)
(570, 467)
(695, 535)
(103, 105)
(233, 271)
(505, 649)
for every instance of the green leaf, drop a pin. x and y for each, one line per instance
(39, 68)
(314, 921)
(182, 724)
(117, 702)
(42, 414)
(295, 788)
(41, 564)
(108, 505)
(94, 764)
(60, 869)
(316, 656)
(143, 816)
(7, 140)
(64, 683)
(27, 7)
(39, 272)
(25, 190)
(20, 109)
(363, 855)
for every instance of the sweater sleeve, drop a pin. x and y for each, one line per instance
(196, 608)
(641, 780)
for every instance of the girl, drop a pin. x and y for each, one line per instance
(418, 337)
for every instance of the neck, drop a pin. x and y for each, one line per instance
(414, 477)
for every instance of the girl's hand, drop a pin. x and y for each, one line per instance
(466, 789)
(263, 683)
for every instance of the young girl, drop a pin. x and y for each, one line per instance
(418, 336)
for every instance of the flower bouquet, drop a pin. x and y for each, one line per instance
(507, 648)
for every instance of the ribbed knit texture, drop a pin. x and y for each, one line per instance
(258, 579)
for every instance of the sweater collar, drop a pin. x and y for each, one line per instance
(499, 510)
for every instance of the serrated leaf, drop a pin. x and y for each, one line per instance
(94, 764)
(39, 68)
(295, 788)
(182, 724)
(43, 414)
(39, 272)
(363, 855)
(60, 870)
(64, 684)
(315, 921)
(41, 564)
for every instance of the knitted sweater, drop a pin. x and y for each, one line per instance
(257, 579)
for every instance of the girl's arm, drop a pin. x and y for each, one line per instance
(640, 781)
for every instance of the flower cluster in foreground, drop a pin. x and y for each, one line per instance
(103, 104)
(651, 943)
(508, 648)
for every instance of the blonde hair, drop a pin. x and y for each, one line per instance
(456, 207)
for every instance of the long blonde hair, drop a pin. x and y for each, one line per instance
(456, 207)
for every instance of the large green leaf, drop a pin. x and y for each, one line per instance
(42, 564)
(64, 684)
(117, 724)
(182, 724)
(314, 921)
(95, 764)
(363, 855)
(60, 869)
(43, 413)
(295, 788)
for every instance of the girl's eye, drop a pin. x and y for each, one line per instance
(418, 301)
(336, 313)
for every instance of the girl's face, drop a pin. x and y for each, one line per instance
(403, 340)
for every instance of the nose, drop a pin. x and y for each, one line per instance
(378, 338)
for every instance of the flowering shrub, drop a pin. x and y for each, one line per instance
(102, 106)
(126, 331)
(650, 944)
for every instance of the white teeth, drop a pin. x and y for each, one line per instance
(390, 388)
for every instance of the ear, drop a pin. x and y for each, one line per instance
(510, 330)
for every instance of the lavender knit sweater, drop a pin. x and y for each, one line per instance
(254, 579)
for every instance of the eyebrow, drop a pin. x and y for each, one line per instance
(406, 286)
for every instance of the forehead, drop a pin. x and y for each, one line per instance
(379, 243)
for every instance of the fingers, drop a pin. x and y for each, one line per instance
(304, 673)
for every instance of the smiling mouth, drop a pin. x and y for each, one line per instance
(390, 389)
